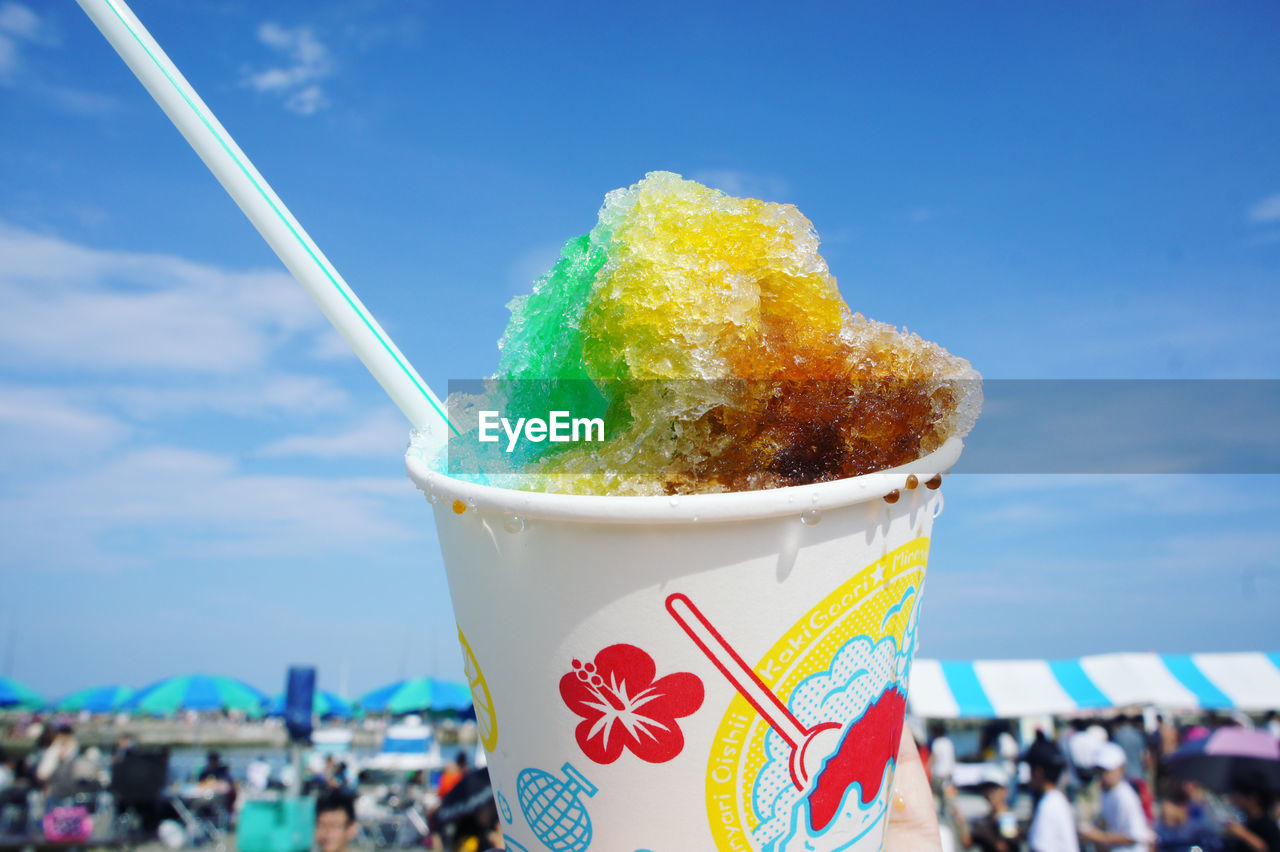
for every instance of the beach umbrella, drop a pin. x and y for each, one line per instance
(14, 694)
(418, 694)
(323, 704)
(197, 692)
(96, 699)
(1226, 756)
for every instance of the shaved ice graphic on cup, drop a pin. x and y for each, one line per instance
(832, 781)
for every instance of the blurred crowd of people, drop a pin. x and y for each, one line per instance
(392, 809)
(1101, 785)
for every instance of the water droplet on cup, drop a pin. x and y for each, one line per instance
(811, 517)
(459, 507)
(814, 499)
(512, 523)
(912, 481)
(695, 517)
(892, 496)
(433, 498)
(935, 483)
(674, 501)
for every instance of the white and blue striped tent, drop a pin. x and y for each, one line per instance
(1012, 688)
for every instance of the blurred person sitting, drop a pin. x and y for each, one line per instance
(997, 830)
(1182, 823)
(13, 794)
(216, 786)
(1053, 824)
(8, 775)
(942, 756)
(257, 775)
(55, 771)
(336, 825)
(1124, 825)
(452, 774)
(214, 775)
(1254, 798)
(339, 779)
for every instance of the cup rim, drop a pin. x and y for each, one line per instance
(732, 506)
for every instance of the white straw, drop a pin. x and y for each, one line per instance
(268, 214)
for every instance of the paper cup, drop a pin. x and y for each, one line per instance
(722, 671)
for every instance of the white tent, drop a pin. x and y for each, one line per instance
(1010, 688)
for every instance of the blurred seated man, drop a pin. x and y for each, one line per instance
(998, 830)
(1182, 824)
(335, 821)
(55, 772)
(452, 774)
(215, 781)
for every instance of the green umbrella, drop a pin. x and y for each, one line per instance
(323, 704)
(96, 699)
(197, 692)
(417, 694)
(14, 694)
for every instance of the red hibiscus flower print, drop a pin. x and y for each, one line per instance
(622, 706)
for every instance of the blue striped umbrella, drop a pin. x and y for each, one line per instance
(197, 692)
(96, 699)
(14, 694)
(418, 694)
(324, 704)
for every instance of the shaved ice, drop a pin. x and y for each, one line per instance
(709, 335)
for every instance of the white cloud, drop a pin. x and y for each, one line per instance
(18, 20)
(329, 345)
(8, 58)
(307, 101)
(238, 396)
(379, 436)
(67, 305)
(21, 27)
(40, 427)
(1266, 210)
(529, 266)
(297, 82)
(745, 184)
(133, 388)
(192, 504)
(17, 24)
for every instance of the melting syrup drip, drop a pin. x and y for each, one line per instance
(857, 758)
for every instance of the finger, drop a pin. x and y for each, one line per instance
(913, 823)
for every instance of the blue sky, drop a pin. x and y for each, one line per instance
(197, 476)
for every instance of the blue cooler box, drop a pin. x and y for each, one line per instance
(277, 825)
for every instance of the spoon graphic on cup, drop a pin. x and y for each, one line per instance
(810, 747)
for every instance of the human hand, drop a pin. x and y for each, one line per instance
(913, 821)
